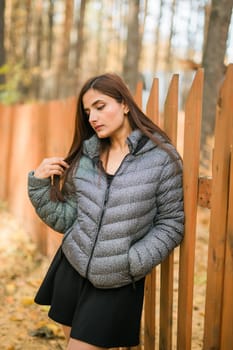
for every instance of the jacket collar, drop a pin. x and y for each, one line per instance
(136, 141)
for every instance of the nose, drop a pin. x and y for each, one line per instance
(92, 117)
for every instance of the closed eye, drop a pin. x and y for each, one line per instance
(99, 108)
(97, 104)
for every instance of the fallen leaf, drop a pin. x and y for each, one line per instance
(10, 288)
(26, 301)
(45, 308)
(17, 318)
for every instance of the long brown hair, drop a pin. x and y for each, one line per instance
(112, 85)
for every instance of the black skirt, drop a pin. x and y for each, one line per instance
(102, 317)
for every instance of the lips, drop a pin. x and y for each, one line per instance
(98, 127)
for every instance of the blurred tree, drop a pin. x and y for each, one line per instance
(169, 56)
(2, 46)
(80, 35)
(131, 59)
(62, 85)
(26, 44)
(24, 85)
(142, 27)
(57, 44)
(157, 36)
(50, 33)
(38, 43)
(99, 49)
(213, 63)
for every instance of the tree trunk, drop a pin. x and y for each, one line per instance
(26, 41)
(99, 21)
(63, 88)
(50, 33)
(169, 55)
(213, 63)
(66, 35)
(80, 36)
(38, 42)
(2, 47)
(131, 60)
(157, 37)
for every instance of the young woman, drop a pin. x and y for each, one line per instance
(120, 209)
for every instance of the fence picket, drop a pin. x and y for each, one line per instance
(150, 283)
(138, 93)
(152, 106)
(227, 309)
(166, 286)
(191, 152)
(149, 317)
(60, 127)
(6, 114)
(218, 227)
(171, 110)
(27, 151)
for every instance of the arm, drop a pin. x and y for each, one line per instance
(167, 230)
(58, 215)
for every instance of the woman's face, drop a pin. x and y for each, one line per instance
(106, 116)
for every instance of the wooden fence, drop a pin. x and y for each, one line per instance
(30, 132)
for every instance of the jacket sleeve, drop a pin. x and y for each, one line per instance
(168, 226)
(58, 215)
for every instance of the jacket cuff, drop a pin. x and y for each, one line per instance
(35, 181)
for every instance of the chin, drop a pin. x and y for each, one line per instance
(102, 135)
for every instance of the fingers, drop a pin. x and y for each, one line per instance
(51, 166)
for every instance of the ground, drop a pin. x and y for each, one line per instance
(24, 325)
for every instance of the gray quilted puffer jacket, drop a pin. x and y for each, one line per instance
(115, 234)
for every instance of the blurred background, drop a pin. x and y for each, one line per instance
(48, 48)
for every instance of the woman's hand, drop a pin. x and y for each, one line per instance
(50, 167)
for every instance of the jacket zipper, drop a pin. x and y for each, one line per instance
(101, 217)
(98, 227)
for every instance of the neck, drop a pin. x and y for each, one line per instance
(118, 142)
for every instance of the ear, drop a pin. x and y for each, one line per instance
(125, 108)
